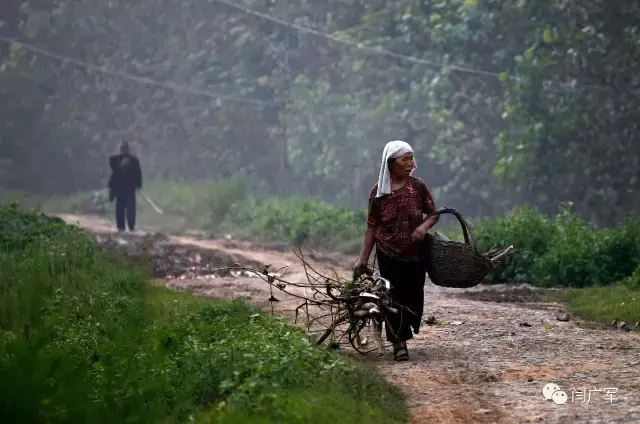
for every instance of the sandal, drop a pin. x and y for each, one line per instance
(403, 355)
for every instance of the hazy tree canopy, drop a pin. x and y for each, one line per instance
(504, 102)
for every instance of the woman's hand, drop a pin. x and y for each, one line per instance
(361, 268)
(419, 233)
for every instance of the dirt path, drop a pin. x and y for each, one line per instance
(488, 365)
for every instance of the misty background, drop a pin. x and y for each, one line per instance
(504, 102)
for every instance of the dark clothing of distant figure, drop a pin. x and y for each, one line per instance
(400, 260)
(126, 178)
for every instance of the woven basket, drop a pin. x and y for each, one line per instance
(458, 265)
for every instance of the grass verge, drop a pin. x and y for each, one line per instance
(603, 304)
(84, 338)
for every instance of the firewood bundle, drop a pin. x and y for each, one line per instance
(334, 309)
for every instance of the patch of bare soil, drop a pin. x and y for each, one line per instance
(522, 294)
(492, 366)
(484, 359)
(169, 258)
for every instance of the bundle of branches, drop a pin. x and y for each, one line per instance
(337, 308)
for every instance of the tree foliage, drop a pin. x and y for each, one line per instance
(505, 102)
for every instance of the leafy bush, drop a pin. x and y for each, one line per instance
(223, 198)
(19, 228)
(304, 221)
(633, 282)
(564, 251)
(527, 231)
(580, 256)
(85, 339)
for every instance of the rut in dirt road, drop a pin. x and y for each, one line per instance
(483, 362)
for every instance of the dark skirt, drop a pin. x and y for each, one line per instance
(407, 294)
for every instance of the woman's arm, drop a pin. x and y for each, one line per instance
(420, 232)
(367, 246)
(430, 222)
(428, 207)
(373, 220)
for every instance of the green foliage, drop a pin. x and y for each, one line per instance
(633, 282)
(18, 228)
(512, 102)
(224, 197)
(527, 231)
(580, 256)
(85, 339)
(556, 99)
(303, 221)
(564, 251)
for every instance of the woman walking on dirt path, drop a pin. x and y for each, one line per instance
(396, 226)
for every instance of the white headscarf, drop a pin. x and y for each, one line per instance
(392, 150)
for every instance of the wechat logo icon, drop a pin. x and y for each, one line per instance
(551, 391)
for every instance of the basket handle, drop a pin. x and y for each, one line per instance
(466, 227)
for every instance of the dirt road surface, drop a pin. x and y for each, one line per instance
(485, 361)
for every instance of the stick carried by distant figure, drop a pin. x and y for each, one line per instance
(153, 205)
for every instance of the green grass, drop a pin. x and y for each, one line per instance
(620, 301)
(84, 338)
(26, 199)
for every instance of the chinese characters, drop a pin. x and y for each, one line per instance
(552, 391)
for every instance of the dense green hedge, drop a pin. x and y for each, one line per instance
(84, 338)
(562, 251)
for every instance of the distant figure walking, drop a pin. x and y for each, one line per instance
(126, 178)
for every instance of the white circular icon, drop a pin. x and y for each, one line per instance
(549, 389)
(559, 397)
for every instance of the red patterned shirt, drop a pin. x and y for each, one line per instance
(397, 215)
